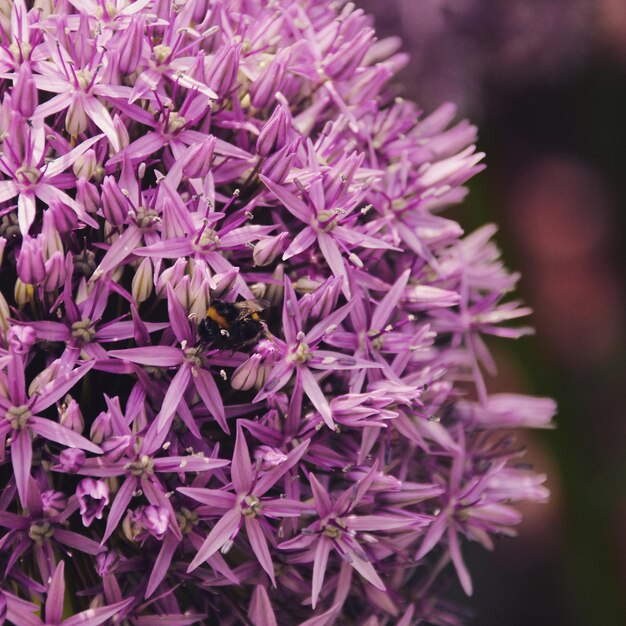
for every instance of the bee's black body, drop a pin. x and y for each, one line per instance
(232, 325)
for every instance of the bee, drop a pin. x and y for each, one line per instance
(233, 325)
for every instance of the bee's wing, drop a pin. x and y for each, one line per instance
(251, 306)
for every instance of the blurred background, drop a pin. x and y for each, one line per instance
(545, 80)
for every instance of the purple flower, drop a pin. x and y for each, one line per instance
(175, 170)
(93, 496)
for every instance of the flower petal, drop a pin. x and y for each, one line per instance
(60, 434)
(219, 535)
(118, 508)
(161, 563)
(211, 396)
(320, 561)
(21, 458)
(55, 595)
(258, 542)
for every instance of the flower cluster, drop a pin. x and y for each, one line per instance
(324, 456)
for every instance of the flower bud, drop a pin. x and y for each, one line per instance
(45, 377)
(263, 89)
(130, 44)
(5, 313)
(224, 282)
(101, 428)
(346, 59)
(46, 8)
(70, 415)
(30, 263)
(122, 132)
(71, 460)
(24, 94)
(23, 293)
(273, 135)
(182, 292)
(51, 237)
(21, 339)
(270, 457)
(76, 120)
(114, 202)
(65, 220)
(56, 272)
(142, 281)
(116, 447)
(92, 496)
(266, 250)
(85, 165)
(275, 288)
(155, 520)
(53, 502)
(197, 162)
(245, 376)
(171, 275)
(132, 525)
(278, 165)
(222, 69)
(107, 562)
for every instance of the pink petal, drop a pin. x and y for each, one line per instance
(162, 563)
(178, 320)
(49, 194)
(303, 240)
(20, 611)
(433, 535)
(322, 500)
(8, 190)
(459, 564)
(55, 595)
(26, 210)
(174, 394)
(157, 356)
(76, 541)
(258, 542)
(366, 569)
(21, 458)
(241, 470)
(319, 567)
(102, 119)
(61, 163)
(261, 612)
(118, 508)
(388, 305)
(125, 245)
(221, 533)
(212, 497)
(189, 463)
(268, 479)
(140, 149)
(316, 395)
(333, 319)
(55, 390)
(210, 394)
(170, 249)
(334, 258)
(55, 432)
(95, 617)
(51, 331)
(52, 106)
(291, 202)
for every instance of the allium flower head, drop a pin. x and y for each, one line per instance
(242, 357)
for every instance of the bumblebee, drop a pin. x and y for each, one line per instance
(233, 325)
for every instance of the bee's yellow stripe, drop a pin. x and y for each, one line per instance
(217, 318)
